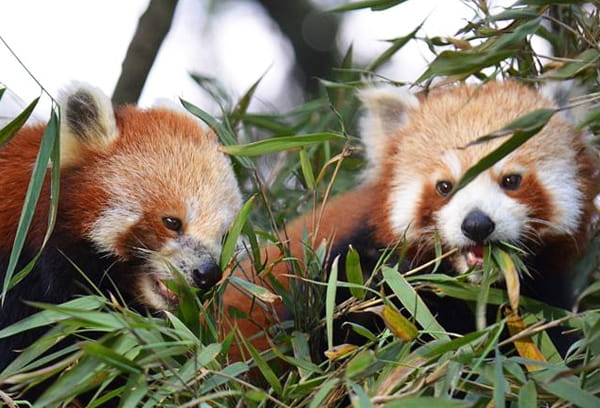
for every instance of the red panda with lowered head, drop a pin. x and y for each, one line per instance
(539, 197)
(140, 190)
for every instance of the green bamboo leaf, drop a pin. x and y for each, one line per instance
(48, 148)
(12, 127)
(111, 358)
(492, 52)
(224, 134)
(307, 170)
(48, 317)
(214, 88)
(484, 290)
(207, 355)
(361, 397)
(361, 330)
(183, 332)
(234, 233)
(566, 388)
(134, 391)
(354, 274)
(375, 5)
(581, 62)
(412, 302)
(278, 144)
(330, 301)
(500, 384)
(420, 402)
(242, 106)
(263, 366)
(528, 395)
(324, 390)
(359, 363)
(523, 129)
(74, 381)
(397, 44)
(257, 291)
(231, 371)
(301, 350)
(591, 117)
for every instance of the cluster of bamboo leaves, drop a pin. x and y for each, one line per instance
(288, 162)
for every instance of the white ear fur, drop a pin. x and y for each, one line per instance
(561, 93)
(386, 110)
(87, 119)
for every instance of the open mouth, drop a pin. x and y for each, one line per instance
(165, 292)
(474, 256)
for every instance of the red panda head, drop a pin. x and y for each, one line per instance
(148, 187)
(417, 151)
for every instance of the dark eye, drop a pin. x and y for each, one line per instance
(511, 182)
(172, 223)
(443, 188)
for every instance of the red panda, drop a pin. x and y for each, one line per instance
(539, 197)
(141, 191)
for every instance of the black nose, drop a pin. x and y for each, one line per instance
(477, 226)
(207, 274)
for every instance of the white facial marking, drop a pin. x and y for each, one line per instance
(566, 197)
(111, 224)
(193, 209)
(453, 162)
(403, 202)
(483, 193)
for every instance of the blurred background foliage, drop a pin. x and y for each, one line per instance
(290, 161)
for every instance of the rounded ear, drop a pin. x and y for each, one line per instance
(386, 111)
(87, 121)
(562, 93)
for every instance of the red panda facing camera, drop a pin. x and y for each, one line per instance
(539, 197)
(141, 190)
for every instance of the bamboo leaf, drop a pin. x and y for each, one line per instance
(111, 358)
(233, 235)
(523, 129)
(12, 127)
(339, 351)
(398, 324)
(375, 5)
(47, 148)
(354, 274)
(330, 301)
(525, 346)
(412, 302)
(260, 292)
(307, 170)
(511, 276)
(263, 366)
(397, 44)
(279, 144)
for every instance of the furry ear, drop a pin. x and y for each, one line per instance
(88, 120)
(386, 110)
(561, 93)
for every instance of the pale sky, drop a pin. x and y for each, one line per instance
(64, 40)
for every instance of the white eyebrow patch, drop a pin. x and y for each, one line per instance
(192, 209)
(450, 159)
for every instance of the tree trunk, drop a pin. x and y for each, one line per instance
(152, 29)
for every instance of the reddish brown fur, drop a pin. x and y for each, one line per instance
(339, 218)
